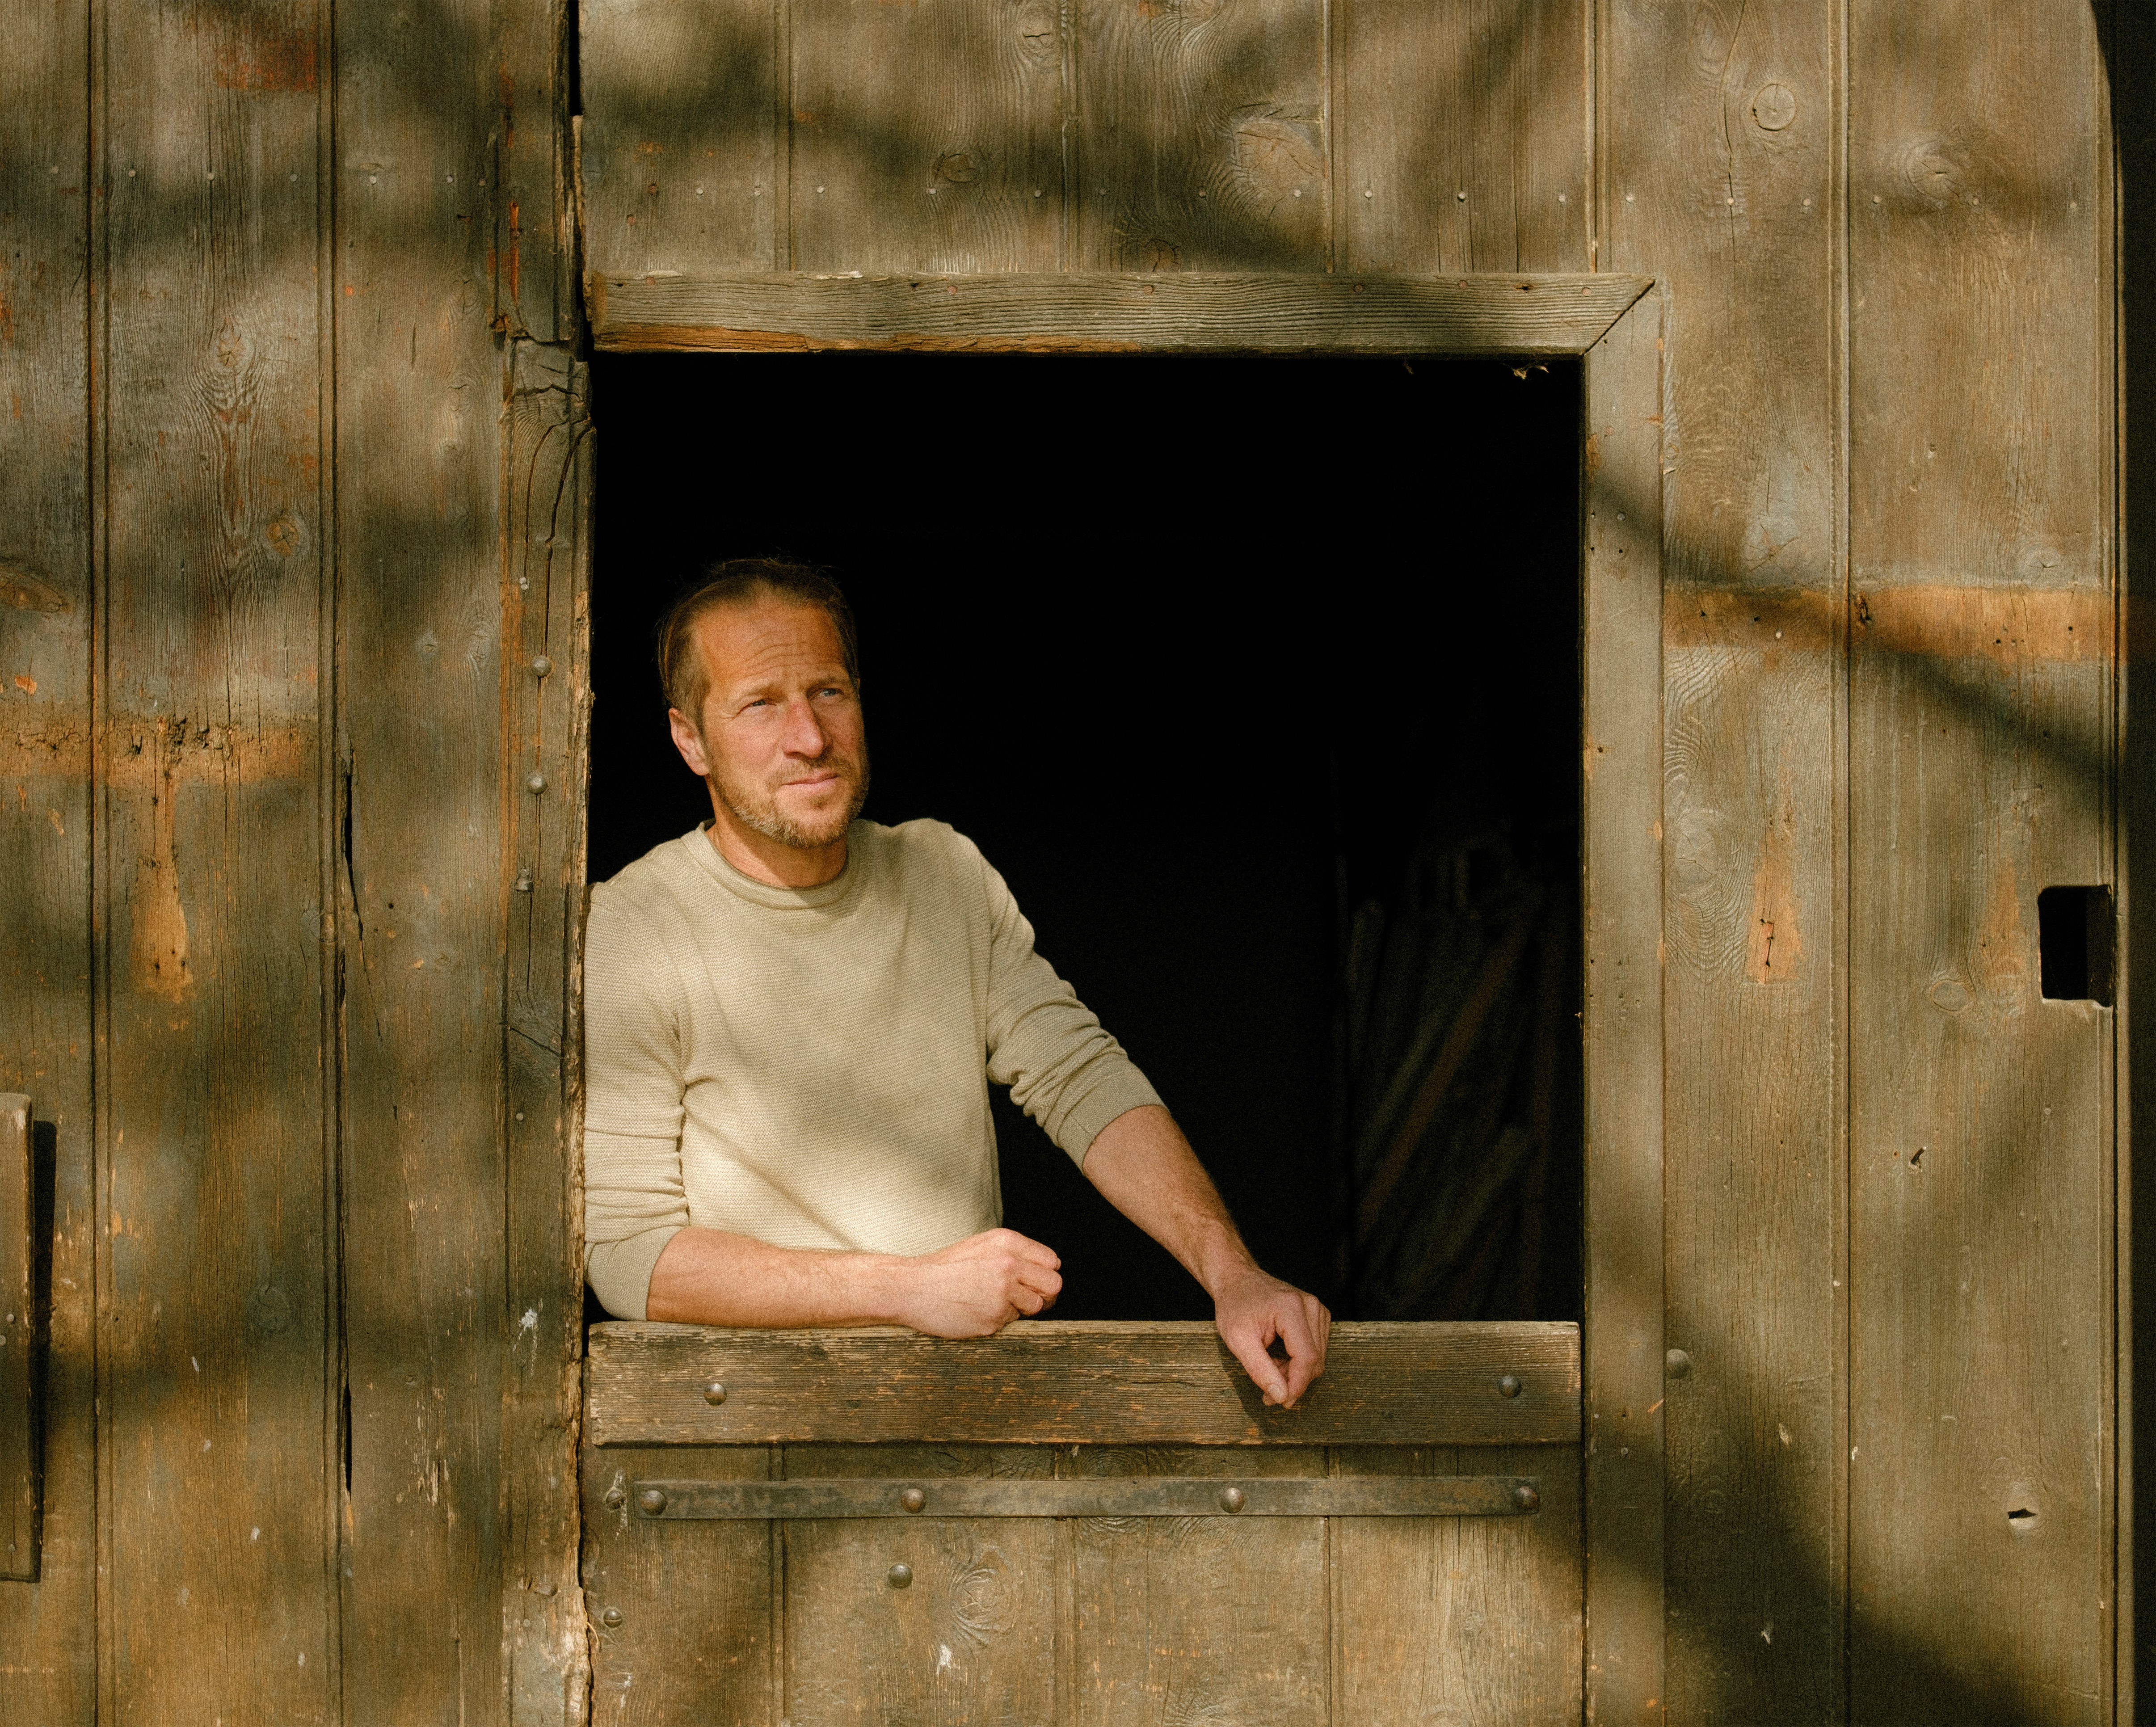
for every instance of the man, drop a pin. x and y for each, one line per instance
(792, 1016)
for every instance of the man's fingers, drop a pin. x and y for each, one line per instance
(1025, 1246)
(1248, 1348)
(1305, 1353)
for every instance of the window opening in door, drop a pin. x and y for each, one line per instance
(1258, 679)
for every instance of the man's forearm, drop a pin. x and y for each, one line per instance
(971, 1288)
(1144, 1167)
(708, 1276)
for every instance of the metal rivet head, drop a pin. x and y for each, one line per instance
(617, 1497)
(1678, 1364)
(535, 785)
(524, 881)
(651, 1502)
(715, 1393)
(1231, 1498)
(898, 1576)
(1509, 1386)
(913, 1498)
(542, 666)
(611, 1618)
(1526, 1498)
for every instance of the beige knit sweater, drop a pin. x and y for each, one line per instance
(811, 1067)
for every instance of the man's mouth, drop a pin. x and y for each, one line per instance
(809, 784)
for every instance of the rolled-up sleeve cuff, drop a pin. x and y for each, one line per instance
(619, 1271)
(1118, 1090)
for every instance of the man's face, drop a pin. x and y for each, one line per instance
(780, 740)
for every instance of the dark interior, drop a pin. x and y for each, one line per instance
(1259, 681)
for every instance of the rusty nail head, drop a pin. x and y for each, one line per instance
(715, 1393)
(535, 785)
(1509, 1386)
(617, 1495)
(651, 1502)
(524, 881)
(913, 1498)
(1526, 1498)
(1231, 1498)
(611, 1618)
(1678, 1363)
(542, 666)
(898, 1576)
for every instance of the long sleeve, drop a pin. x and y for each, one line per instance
(634, 1197)
(1062, 1067)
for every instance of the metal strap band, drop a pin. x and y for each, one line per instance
(1137, 1496)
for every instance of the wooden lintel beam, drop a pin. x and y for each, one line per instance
(1523, 315)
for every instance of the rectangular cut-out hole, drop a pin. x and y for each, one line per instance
(2077, 932)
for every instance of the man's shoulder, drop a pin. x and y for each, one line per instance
(924, 847)
(645, 887)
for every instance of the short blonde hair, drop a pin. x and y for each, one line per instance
(739, 581)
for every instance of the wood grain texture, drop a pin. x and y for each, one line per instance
(1048, 1382)
(1206, 1619)
(420, 396)
(49, 1631)
(1623, 1020)
(1721, 166)
(928, 136)
(1461, 135)
(970, 1639)
(19, 1412)
(1246, 314)
(547, 703)
(1199, 140)
(683, 1618)
(534, 206)
(679, 162)
(214, 1348)
(1458, 1619)
(1981, 1138)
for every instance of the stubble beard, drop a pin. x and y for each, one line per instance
(757, 809)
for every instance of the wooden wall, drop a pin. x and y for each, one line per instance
(1885, 235)
(292, 473)
(278, 290)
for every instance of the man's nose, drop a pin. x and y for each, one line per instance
(804, 734)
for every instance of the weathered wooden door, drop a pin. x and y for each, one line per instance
(1083, 1521)
(1098, 1523)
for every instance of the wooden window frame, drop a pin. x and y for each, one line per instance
(1615, 325)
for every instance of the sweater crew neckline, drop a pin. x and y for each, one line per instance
(824, 894)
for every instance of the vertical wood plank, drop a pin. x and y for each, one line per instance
(1199, 138)
(928, 136)
(546, 694)
(1200, 1618)
(1722, 175)
(1483, 99)
(681, 167)
(534, 213)
(420, 398)
(970, 1639)
(216, 1293)
(681, 1619)
(1621, 1340)
(1465, 1618)
(18, 1414)
(47, 1630)
(1981, 1136)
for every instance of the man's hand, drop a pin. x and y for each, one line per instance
(1146, 1168)
(1254, 1310)
(975, 1287)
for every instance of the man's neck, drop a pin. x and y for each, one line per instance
(771, 861)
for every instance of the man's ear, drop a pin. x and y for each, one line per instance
(689, 742)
